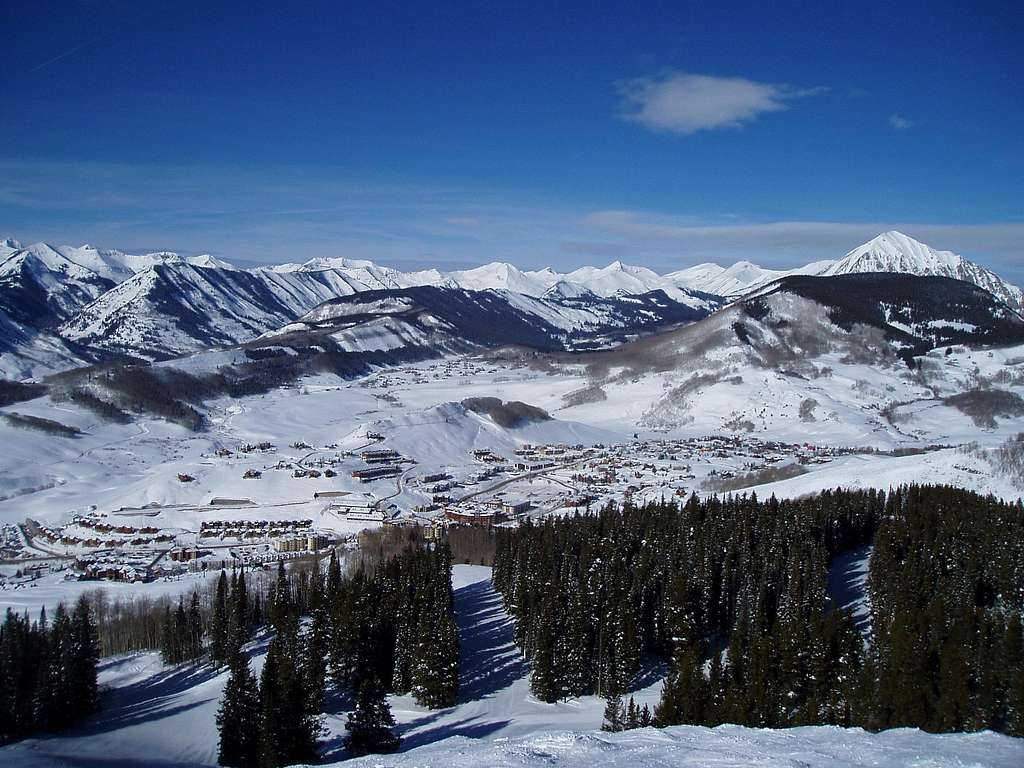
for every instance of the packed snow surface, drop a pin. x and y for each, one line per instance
(727, 745)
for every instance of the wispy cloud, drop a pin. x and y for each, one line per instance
(287, 215)
(687, 103)
(900, 123)
(68, 52)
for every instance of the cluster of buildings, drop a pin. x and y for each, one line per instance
(313, 542)
(252, 529)
(112, 565)
(380, 463)
(11, 542)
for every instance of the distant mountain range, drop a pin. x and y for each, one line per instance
(62, 306)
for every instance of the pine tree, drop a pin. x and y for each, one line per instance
(272, 712)
(406, 635)
(314, 666)
(168, 645)
(716, 691)
(684, 694)
(181, 639)
(614, 714)
(435, 668)
(239, 609)
(370, 725)
(288, 728)
(1013, 666)
(48, 681)
(219, 621)
(82, 677)
(571, 647)
(238, 718)
(632, 715)
(195, 628)
(257, 611)
(646, 718)
(543, 679)
(284, 615)
(61, 654)
(333, 584)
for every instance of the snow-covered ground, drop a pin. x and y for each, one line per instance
(158, 715)
(127, 475)
(727, 746)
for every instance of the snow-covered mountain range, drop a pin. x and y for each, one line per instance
(889, 252)
(60, 300)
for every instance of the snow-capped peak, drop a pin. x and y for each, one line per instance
(207, 261)
(896, 252)
(336, 262)
(504, 276)
(563, 289)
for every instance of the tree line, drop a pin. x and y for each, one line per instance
(386, 627)
(47, 671)
(732, 594)
(368, 634)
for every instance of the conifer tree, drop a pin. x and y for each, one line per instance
(544, 682)
(238, 718)
(288, 728)
(632, 715)
(614, 714)
(314, 666)
(48, 681)
(646, 718)
(168, 650)
(435, 668)
(272, 712)
(571, 647)
(239, 606)
(370, 725)
(181, 633)
(1013, 665)
(61, 653)
(219, 621)
(333, 584)
(684, 694)
(195, 628)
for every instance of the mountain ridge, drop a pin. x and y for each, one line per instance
(890, 251)
(161, 304)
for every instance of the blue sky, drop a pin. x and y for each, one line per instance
(456, 134)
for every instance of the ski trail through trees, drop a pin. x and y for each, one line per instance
(490, 660)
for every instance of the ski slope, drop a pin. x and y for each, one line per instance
(158, 715)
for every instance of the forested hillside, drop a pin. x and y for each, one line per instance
(741, 584)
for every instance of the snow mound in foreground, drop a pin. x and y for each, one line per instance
(728, 745)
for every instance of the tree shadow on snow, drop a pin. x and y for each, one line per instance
(650, 672)
(470, 727)
(333, 749)
(847, 585)
(489, 659)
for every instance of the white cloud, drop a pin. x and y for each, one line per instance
(686, 103)
(900, 123)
